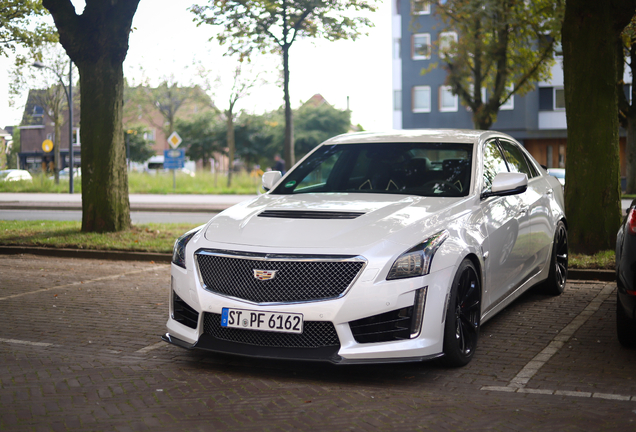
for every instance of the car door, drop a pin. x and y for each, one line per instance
(506, 219)
(536, 200)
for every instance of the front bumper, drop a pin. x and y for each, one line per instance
(371, 303)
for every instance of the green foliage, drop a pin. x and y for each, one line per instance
(273, 24)
(140, 148)
(313, 125)
(12, 156)
(503, 46)
(21, 25)
(202, 136)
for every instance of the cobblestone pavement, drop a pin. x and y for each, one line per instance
(80, 350)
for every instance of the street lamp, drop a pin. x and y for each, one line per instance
(69, 97)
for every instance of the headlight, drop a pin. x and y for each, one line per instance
(178, 251)
(417, 261)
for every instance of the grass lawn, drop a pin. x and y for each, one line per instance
(63, 234)
(144, 183)
(160, 238)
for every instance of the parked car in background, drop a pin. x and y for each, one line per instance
(375, 247)
(77, 172)
(559, 173)
(626, 279)
(15, 175)
(64, 173)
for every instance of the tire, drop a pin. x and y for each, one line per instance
(463, 317)
(558, 275)
(625, 327)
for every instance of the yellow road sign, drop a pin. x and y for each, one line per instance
(47, 145)
(174, 140)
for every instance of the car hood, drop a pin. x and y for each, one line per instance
(382, 217)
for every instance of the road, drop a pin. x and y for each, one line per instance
(137, 217)
(80, 351)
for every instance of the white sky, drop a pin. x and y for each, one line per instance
(166, 42)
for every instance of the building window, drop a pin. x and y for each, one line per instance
(510, 103)
(447, 100)
(397, 49)
(76, 136)
(546, 99)
(397, 7)
(447, 41)
(420, 7)
(38, 111)
(421, 46)
(397, 100)
(559, 98)
(421, 99)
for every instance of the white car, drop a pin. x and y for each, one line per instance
(15, 175)
(375, 247)
(559, 173)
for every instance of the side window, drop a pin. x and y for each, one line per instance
(494, 163)
(517, 161)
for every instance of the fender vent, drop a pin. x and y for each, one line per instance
(303, 214)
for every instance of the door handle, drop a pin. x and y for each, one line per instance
(549, 192)
(522, 211)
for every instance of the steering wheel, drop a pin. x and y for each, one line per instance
(438, 186)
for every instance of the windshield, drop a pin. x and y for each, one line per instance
(425, 169)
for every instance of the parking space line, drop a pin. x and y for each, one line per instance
(151, 347)
(533, 366)
(518, 383)
(607, 396)
(22, 342)
(83, 282)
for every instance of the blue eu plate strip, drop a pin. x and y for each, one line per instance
(224, 317)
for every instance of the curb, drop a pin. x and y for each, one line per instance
(87, 253)
(573, 274)
(591, 274)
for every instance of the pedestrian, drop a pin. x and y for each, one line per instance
(279, 164)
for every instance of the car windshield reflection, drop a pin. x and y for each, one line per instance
(424, 169)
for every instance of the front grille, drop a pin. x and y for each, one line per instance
(183, 312)
(304, 214)
(297, 278)
(389, 326)
(316, 334)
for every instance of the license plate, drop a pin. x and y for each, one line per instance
(261, 320)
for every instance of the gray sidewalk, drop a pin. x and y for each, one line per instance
(138, 202)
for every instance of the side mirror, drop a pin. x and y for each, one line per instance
(270, 178)
(506, 183)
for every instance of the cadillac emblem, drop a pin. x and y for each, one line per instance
(264, 274)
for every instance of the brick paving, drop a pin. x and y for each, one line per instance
(80, 351)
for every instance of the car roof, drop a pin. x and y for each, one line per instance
(415, 135)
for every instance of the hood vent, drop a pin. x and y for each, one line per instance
(305, 214)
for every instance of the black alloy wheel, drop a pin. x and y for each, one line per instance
(463, 316)
(558, 275)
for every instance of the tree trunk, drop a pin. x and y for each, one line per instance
(289, 120)
(230, 144)
(105, 205)
(592, 200)
(97, 42)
